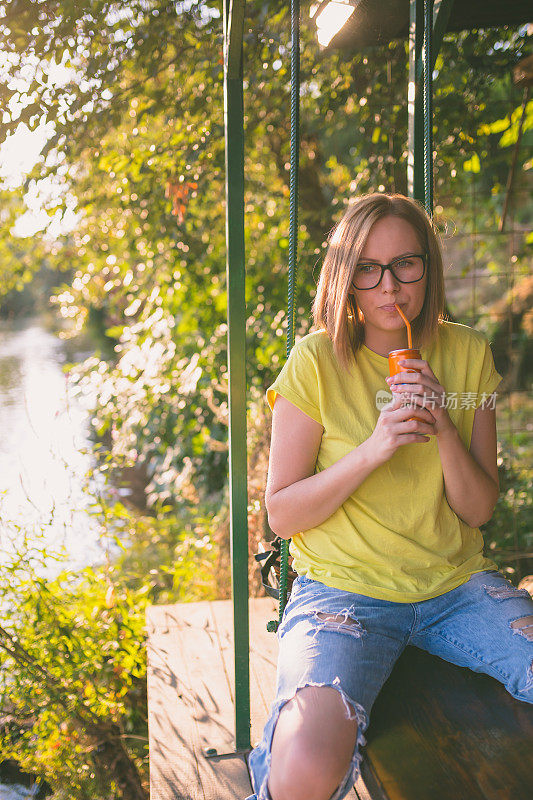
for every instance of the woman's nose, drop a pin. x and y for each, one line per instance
(389, 281)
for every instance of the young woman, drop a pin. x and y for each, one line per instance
(382, 509)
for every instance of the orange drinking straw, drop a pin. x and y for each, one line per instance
(402, 315)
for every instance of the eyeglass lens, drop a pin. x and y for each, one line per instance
(406, 270)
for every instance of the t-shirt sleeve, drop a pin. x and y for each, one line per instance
(489, 379)
(298, 383)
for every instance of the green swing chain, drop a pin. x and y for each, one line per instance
(273, 625)
(428, 109)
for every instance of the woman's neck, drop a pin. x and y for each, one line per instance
(383, 344)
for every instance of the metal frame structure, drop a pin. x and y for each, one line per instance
(235, 281)
(428, 22)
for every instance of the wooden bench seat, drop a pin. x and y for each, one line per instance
(436, 731)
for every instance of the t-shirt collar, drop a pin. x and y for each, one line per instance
(383, 360)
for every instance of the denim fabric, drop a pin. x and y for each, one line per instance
(331, 637)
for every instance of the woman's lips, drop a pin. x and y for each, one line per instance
(392, 308)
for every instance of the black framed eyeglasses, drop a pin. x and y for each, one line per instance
(408, 268)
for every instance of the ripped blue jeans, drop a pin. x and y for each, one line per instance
(331, 637)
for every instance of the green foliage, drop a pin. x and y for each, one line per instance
(72, 668)
(170, 557)
(509, 534)
(473, 164)
(72, 644)
(510, 125)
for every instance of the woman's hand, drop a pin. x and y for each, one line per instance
(394, 428)
(423, 390)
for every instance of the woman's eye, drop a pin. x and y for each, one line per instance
(366, 267)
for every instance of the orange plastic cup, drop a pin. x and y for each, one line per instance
(395, 368)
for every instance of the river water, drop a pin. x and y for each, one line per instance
(45, 451)
(15, 792)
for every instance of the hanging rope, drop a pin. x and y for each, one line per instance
(428, 108)
(293, 251)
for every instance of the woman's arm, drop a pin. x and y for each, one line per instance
(296, 498)
(471, 477)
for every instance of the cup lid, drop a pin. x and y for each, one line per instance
(404, 350)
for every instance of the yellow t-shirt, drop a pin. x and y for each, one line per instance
(396, 537)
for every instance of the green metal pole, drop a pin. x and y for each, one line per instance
(441, 15)
(235, 277)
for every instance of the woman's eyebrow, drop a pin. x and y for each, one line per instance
(375, 261)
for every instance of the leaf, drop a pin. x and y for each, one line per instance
(473, 164)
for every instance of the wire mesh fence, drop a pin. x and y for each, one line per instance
(489, 286)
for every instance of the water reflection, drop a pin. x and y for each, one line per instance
(45, 452)
(10, 379)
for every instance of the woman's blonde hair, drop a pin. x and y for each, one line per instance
(335, 308)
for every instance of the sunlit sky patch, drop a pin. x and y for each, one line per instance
(21, 151)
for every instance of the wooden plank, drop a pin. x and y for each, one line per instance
(361, 789)
(190, 708)
(263, 659)
(261, 685)
(441, 731)
(173, 769)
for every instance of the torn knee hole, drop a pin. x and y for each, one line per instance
(524, 627)
(340, 622)
(505, 592)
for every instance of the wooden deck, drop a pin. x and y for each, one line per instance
(190, 696)
(437, 731)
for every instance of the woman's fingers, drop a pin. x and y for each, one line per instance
(415, 426)
(400, 422)
(423, 391)
(406, 412)
(395, 404)
(396, 427)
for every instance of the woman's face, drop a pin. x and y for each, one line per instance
(389, 238)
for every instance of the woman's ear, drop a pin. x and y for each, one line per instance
(354, 305)
(359, 313)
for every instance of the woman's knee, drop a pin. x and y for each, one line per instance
(312, 745)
